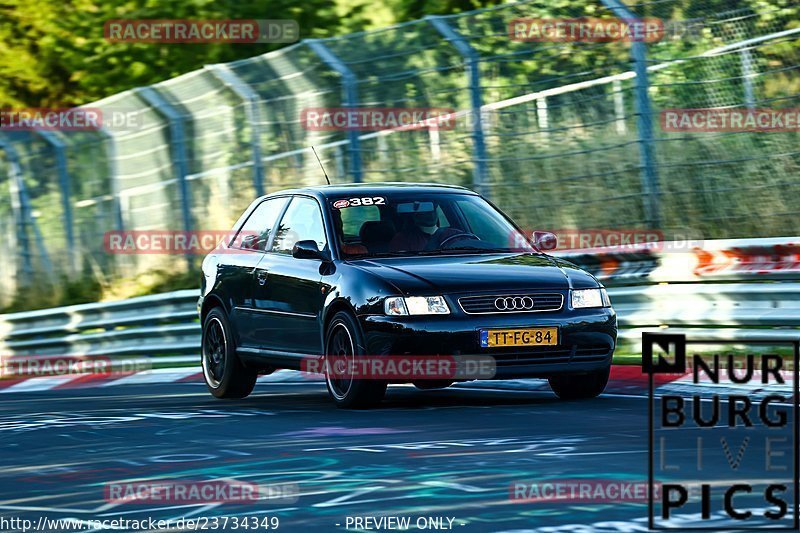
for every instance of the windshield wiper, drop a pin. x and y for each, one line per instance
(462, 249)
(484, 250)
(381, 254)
(447, 251)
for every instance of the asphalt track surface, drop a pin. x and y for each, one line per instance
(451, 453)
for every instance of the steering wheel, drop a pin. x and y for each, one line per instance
(459, 236)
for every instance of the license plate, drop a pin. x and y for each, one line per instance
(492, 338)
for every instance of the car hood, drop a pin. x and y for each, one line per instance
(474, 273)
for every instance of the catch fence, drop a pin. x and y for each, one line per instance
(558, 134)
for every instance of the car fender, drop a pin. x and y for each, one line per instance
(355, 290)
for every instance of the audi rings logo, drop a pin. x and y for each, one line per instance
(514, 303)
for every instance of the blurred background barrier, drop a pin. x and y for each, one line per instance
(687, 261)
(733, 304)
(558, 134)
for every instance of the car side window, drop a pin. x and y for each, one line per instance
(256, 230)
(301, 222)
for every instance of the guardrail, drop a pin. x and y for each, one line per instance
(729, 311)
(734, 290)
(160, 325)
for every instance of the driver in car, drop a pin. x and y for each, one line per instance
(422, 233)
(416, 233)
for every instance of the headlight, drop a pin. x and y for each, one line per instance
(416, 305)
(585, 298)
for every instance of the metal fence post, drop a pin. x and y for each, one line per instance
(249, 97)
(111, 154)
(18, 209)
(472, 63)
(65, 185)
(177, 144)
(349, 99)
(748, 73)
(650, 184)
(21, 205)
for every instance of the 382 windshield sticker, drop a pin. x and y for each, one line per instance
(359, 201)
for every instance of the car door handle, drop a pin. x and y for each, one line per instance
(261, 276)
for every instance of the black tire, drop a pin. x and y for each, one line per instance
(224, 373)
(580, 386)
(344, 339)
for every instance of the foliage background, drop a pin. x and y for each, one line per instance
(53, 54)
(580, 168)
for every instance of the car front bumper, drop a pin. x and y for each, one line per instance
(587, 339)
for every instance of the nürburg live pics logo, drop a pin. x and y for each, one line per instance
(723, 433)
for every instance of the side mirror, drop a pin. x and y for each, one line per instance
(545, 240)
(307, 250)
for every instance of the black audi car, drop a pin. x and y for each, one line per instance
(397, 269)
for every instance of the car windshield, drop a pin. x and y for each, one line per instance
(395, 224)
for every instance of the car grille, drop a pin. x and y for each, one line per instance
(511, 303)
(588, 354)
(541, 355)
(552, 354)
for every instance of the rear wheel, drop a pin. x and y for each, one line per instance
(224, 373)
(343, 343)
(580, 386)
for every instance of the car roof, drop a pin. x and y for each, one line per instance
(325, 191)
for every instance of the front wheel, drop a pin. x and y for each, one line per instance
(225, 375)
(343, 343)
(580, 386)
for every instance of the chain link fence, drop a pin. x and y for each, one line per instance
(559, 134)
